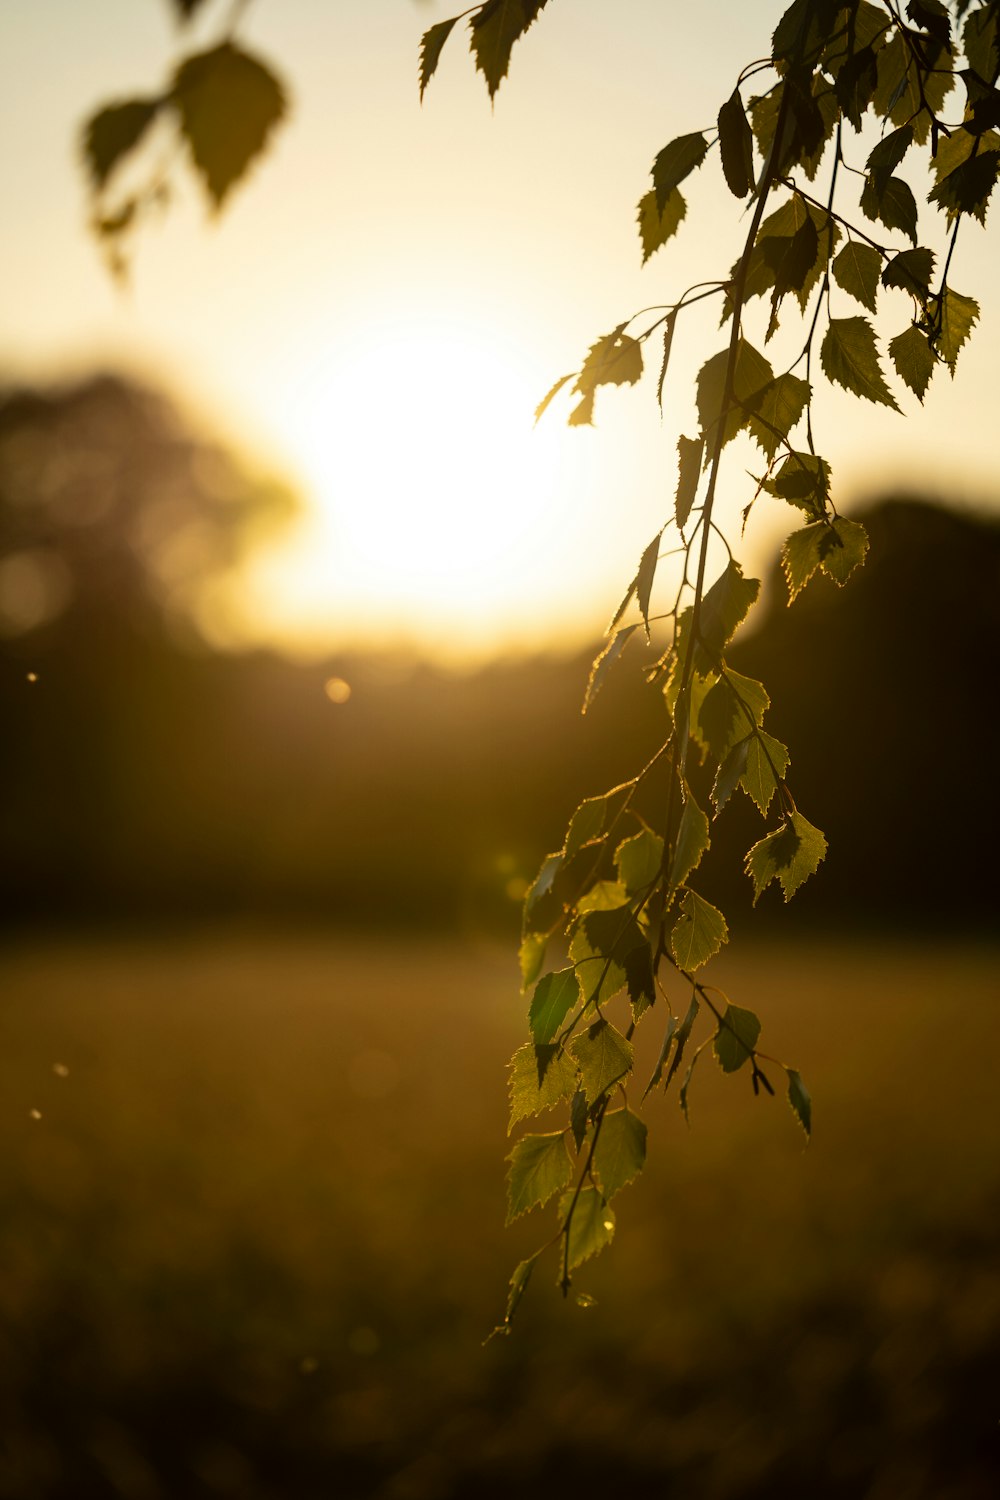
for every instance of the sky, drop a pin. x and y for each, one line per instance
(392, 289)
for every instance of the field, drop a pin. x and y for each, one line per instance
(251, 1207)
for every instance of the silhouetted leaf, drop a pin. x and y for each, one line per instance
(431, 43)
(615, 359)
(803, 480)
(668, 339)
(778, 408)
(620, 1152)
(644, 578)
(724, 607)
(605, 661)
(967, 189)
(555, 996)
(789, 855)
(891, 204)
(981, 41)
(675, 162)
(689, 453)
(604, 1058)
(113, 132)
(187, 8)
(736, 1037)
(736, 146)
(798, 1098)
(911, 271)
(657, 226)
(592, 1226)
(958, 317)
(495, 27)
(914, 359)
(752, 374)
(857, 269)
(849, 356)
(540, 1167)
(698, 933)
(228, 104)
(547, 399)
(887, 155)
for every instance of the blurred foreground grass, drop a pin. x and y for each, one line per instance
(251, 1205)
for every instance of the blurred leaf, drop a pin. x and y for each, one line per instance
(736, 1037)
(789, 855)
(547, 399)
(604, 1058)
(187, 8)
(540, 1167)
(620, 1152)
(228, 104)
(495, 27)
(113, 132)
(799, 1099)
(531, 956)
(555, 996)
(850, 358)
(699, 932)
(592, 1226)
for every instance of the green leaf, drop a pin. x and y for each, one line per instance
(968, 188)
(844, 550)
(518, 1287)
(644, 578)
(675, 162)
(803, 480)
(620, 1152)
(699, 932)
(541, 886)
(887, 155)
(736, 146)
(638, 860)
(914, 359)
(752, 374)
(592, 1226)
(758, 778)
(730, 710)
(531, 956)
(911, 271)
(540, 1167)
(857, 269)
(669, 325)
(578, 1118)
(658, 225)
(736, 1037)
(681, 1039)
(605, 661)
(981, 41)
(801, 556)
(594, 816)
(692, 841)
(555, 996)
(789, 855)
(495, 27)
(604, 895)
(958, 315)
(837, 546)
(729, 773)
(600, 977)
(539, 1078)
(892, 203)
(683, 1099)
(689, 451)
(778, 409)
(228, 103)
(798, 1098)
(726, 606)
(113, 132)
(615, 359)
(850, 358)
(431, 44)
(547, 399)
(604, 1057)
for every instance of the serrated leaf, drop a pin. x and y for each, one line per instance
(592, 1226)
(914, 359)
(891, 203)
(494, 28)
(691, 843)
(765, 757)
(850, 358)
(752, 374)
(725, 607)
(698, 933)
(789, 855)
(539, 1078)
(857, 269)
(517, 1287)
(803, 480)
(729, 773)
(799, 1099)
(887, 155)
(540, 887)
(730, 710)
(676, 161)
(911, 271)
(431, 44)
(604, 1058)
(736, 1037)
(644, 578)
(682, 1038)
(736, 146)
(638, 860)
(967, 190)
(600, 977)
(604, 895)
(531, 956)
(844, 550)
(540, 1167)
(778, 409)
(658, 225)
(550, 395)
(594, 816)
(579, 1115)
(958, 317)
(605, 661)
(620, 1152)
(615, 359)
(668, 338)
(113, 132)
(228, 103)
(689, 455)
(657, 1072)
(555, 996)
(685, 1086)
(800, 557)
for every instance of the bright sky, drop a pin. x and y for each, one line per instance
(385, 300)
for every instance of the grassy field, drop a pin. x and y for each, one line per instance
(251, 1206)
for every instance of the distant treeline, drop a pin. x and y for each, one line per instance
(145, 781)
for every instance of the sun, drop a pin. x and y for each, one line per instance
(435, 505)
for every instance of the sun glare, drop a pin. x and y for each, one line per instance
(436, 506)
